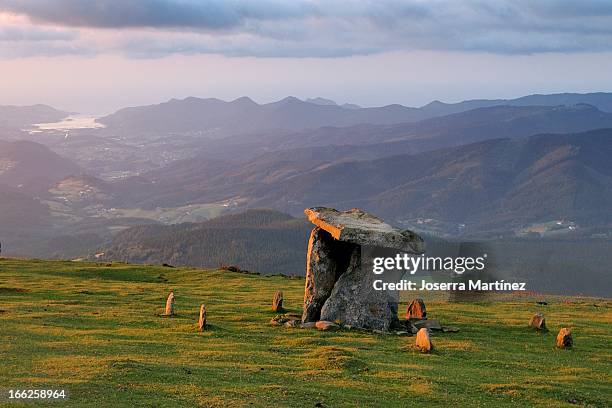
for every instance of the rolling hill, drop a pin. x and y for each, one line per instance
(264, 241)
(32, 167)
(499, 184)
(491, 185)
(18, 117)
(460, 128)
(20, 212)
(231, 168)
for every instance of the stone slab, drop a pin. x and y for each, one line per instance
(359, 227)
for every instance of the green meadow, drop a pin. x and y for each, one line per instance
(95, 330)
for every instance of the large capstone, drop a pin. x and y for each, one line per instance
(339, 278)
(361, 228)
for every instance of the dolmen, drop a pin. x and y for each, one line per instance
(339, 277)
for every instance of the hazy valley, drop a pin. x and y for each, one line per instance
(534, 168)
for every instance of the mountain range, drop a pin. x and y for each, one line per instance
(492, 185)
(299, 162)
(535, 166)
(214, 118)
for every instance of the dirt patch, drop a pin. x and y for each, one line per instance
(13, 290)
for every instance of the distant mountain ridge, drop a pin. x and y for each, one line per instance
(216, 118)
(601, 100)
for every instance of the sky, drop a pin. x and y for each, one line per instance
(97, 56)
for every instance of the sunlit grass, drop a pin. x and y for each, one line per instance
(96, 331)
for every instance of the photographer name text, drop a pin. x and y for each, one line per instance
(479, 285)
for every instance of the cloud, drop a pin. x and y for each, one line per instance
(35, 34)
(324, 28)
(194, 14)
(25, 41)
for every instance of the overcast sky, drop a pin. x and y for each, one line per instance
(96, 56)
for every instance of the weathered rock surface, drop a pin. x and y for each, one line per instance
(292, 323)
(170, 304)
(354, 302)
(326, 326)
(428, 324)
(325, 261)
(416, 310)
(450, 329)
(339, 280)
(564, 338)
(202, 319)
(288, 320)
(277, 302)
(538, 322)
(423, 341)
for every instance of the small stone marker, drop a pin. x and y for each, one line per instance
(326, 326)
(277, 302)
(538, 322)
(423, 342)
(428, 324)
(564, 338)
(170, 304)
(416, 310)
(202, 320)
(450, 329)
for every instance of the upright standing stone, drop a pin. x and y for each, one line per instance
(202, 320)
(423, 342)
(170, 304)
(339, 281)
(277, 302)
(416, 310)
(564, 338)
(538, 322)
(323, 265)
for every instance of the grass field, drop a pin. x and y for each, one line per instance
(95, 331)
